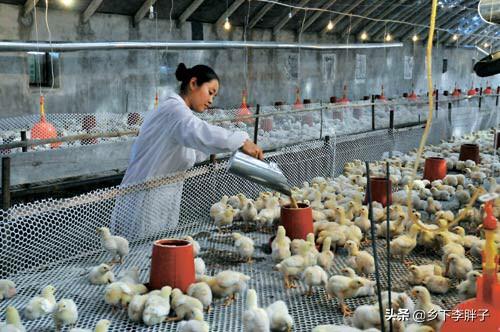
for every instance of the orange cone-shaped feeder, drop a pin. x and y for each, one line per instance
(344, 99)
(297, 105)
(157, 100)
(486, 305)
(43, 129)
(412, 96)
(382, 96)
(488, 90)
(172, 264)
(456, 92)
(472, 91)
(243, 111)
(435, 168)
(297, 222)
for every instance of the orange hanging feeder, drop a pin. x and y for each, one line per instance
(486, 305)
(156, 101)
(488, 90)
(344, 99)
(472, 91)
(382, 97)
(298, 103)
(243, 111)
(456, 92)
(412, 96)
(43, 129)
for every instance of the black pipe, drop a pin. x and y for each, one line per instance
(321, 121)
(256, 128)
(437, 102)
(480, 97)
(388, 242)
(391, 119)
(374, 245)
(5, 183)
(373, 112)
(498, 93)
(449, 112)
(23, 139)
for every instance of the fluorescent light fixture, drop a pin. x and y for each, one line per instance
(455, 37)
(388, 37)
(329, 26)
(67, 3)
(414, 38)
(364, 35)
(36, 53)
(227, 24)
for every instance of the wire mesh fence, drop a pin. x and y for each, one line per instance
(54, 241)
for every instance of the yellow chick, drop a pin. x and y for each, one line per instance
(65, 314)
(12, 321)
(194, 243)
(448, 247)
(199, 267)
(7, 289)
(467, 288)
(101, 326)
(437, 284)
(396, 227)
(249, 212)
(226, 284)
(101, 275)
(136, 307)
(184, 305)
(115, 245)
(457, 266)
(224, 218)
(361, 261)
(325, 257)
(218, 207)
(368, 288)
(157, 306)
(424, 304)
(279, 318)
(404, 244)
(314, 276)
(419, 273)
(120, 293)
(362, 221)
(40, 306)
(341, 216)
(280, 246)
(467, 240)
(245, 246)
(202, 292)
(342, 287)
(254, 318)
(292, 266)
(195, 324)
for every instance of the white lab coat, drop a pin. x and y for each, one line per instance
(171, 140)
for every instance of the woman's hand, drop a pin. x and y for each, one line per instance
(252, 149)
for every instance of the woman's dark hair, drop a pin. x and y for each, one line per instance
(202, 73)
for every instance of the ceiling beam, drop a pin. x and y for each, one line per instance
(450, 20)
(317, 14)
(406, 14)
(382, 16)
(28, 6)
(260, 14)
(231, 9)
(142, 11)
(478, 30)
(418, 30)
(288, 16)
(357, 21)
(189, 11)
(90, 10)
(420, 19)
(455, 26)
(339, 17)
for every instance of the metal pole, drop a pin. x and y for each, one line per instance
(391, 119)
(437, 102)
(256, 128)
(23, 139)
(480, 98)
(388, 241)
(374, 245)
(373, 112)
(449, 112)
(5, 183)
(498, 92)
(321, 122)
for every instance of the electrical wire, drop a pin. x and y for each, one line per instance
(369, 18)
(50, 43)
(37, 62)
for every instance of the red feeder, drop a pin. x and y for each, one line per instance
(471, 92)
(382, 97)
(488, 90)
(469, 152)
(297, 104)
(378, 188)
(435, 168)
(243, 111)
(172, 264)
(412, 96)
(455, 93)
(157, 100)
(297, 222)
(486, 305)
(43, 129)
(344, 99)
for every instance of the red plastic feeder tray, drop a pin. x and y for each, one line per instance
(378, 187)
(297, 222)
(435, 168)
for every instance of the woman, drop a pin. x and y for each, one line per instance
(172, 140)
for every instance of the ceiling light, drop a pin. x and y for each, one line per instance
(329, 26)
(486, 45)
(364, 36)
(414, 38)
(67, 3)
(388, 37)
(455, 37)
(151, 12)
(227, 24)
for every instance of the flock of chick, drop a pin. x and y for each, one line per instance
(340, 221)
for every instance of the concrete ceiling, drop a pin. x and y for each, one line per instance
(269, 16)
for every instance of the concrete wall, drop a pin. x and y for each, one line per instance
(121, 81)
